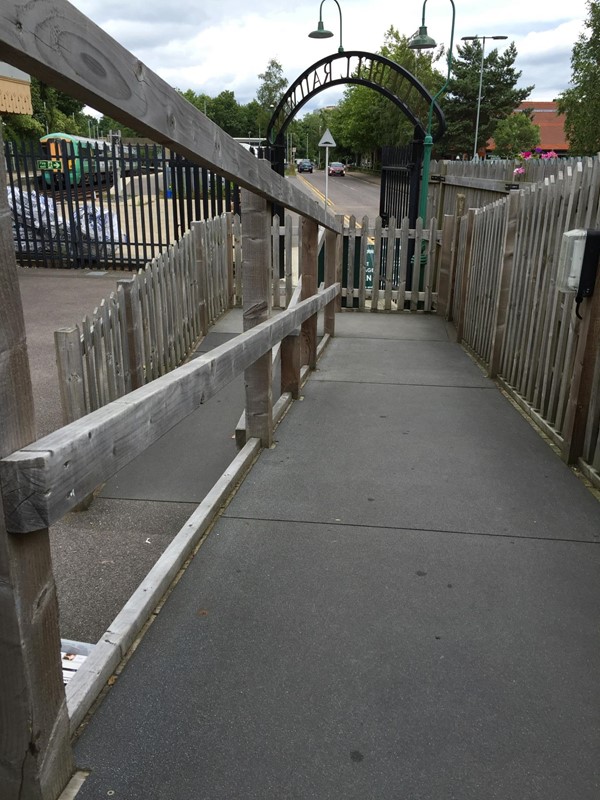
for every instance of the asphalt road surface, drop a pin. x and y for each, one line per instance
(356, 193)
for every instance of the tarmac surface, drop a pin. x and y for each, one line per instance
(101, 555)
(401, 600)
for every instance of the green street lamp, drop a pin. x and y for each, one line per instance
(482, 40)
(422, 41)
(321, 33)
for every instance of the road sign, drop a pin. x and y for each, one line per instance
(327, 139)
(44, 164)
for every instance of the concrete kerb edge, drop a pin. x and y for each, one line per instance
(91, 678)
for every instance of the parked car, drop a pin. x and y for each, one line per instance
(337, 168)
(305, 165)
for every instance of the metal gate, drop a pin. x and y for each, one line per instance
(105, 205)
(400, 182)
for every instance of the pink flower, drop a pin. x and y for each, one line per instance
(526, 155)
(549, 154)
(519, 171)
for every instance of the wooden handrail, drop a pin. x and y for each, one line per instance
(63, 48)
(46, 479)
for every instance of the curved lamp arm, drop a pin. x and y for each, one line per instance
(340, 48)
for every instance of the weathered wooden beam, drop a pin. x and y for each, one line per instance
(256, 281)
(332, 253)
(582, 382)
(468, 255)
(56, 43)
(309, 233)
(504, 281)
(35, 752)
(46, 479)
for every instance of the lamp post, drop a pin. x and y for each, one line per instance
(482, 40)
(321, 33)
(422, 41)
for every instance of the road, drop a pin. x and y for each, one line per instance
(356, 193)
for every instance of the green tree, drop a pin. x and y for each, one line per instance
(270, 91)
(581, 102)
(499, 97)
(515, 134)
(366, 119)
(52, 111)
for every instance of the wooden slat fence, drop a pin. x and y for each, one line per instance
(508, 310)
(152, 323)
(378, 276)
(483, 182)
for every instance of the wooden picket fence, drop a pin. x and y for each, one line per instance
(508, 310)
(482, 182)
(152, 323)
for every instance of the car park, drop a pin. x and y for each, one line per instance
(337, 168)
(305, 165)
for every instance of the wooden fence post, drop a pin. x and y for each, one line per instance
(229, 251)
(582, 382)
(504, 281)
(256, 260)
(309, 232)
(460, 323)
(133, 327)
(200, 261)
(443, 287)
(35, 750)
(69, 363)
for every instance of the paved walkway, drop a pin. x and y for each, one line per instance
(401, 602)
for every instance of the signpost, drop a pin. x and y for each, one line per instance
(327, 141)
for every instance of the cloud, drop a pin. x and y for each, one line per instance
(225, 45)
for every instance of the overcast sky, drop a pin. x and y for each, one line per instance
(225, 44)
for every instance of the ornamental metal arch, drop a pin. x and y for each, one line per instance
(355, 67)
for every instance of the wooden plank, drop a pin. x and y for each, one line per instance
(200, 275)
(443, 285)
(309, 233)
(582, 383)
(107, 335)
(289, 277)
(460, 317)
(275, 261)
(378, 233)
(35, 751)
(364, 240)
(92, 676)
(256, 253)
(389, 264)
(331, 255)
(228, 244)
(132, 324)
(47, 478)
(237, 245)
(86, 63)
(504, 283)
(404, 250)
(69, 363)
(351, 257)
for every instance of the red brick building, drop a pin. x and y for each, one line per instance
(551, 125)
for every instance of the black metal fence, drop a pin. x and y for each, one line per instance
(400, 182)
(105, 205)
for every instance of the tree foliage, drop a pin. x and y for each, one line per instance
(499, 95)
(581, 102)
(515, 134)
(366, 120)
(52, 111)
